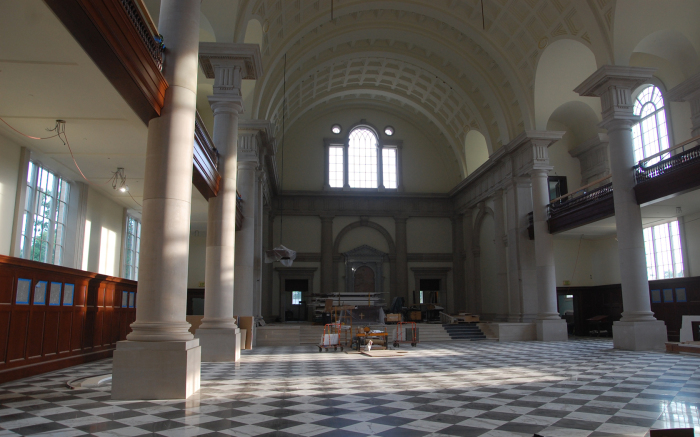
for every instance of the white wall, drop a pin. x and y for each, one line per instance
(106, 232)
(429, 235)
(691, 226)
(586, 262)
(9, 173)
(559, 158)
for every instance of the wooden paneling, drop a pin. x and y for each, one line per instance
(607, 300)
(36, 338)
(672, 312)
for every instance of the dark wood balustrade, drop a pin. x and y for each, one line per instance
(667, 178)
(239, 211)
(205, 177)
(122, 41)
(54, 317)
(577, 211)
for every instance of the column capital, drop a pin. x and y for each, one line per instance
(614, 85)
(229, 64)
(326, 218)
(530, 150)
(248, 147)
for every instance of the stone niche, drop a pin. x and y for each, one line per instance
(363, 270)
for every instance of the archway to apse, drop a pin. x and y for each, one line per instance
(563, 66)
(580, 125)
(485, 263)
(476, 151)
(359, 233)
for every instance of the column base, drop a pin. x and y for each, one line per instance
(640, 336)
(156, 370)
(551, 330)
(220, 345)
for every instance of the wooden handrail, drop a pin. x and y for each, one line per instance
(581, 188)
(665, 151)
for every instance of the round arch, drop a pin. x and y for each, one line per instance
(360, 223)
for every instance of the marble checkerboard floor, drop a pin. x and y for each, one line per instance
(575, 388)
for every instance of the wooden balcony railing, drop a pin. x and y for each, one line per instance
(205, 177)
(569, 212)
(643, 172)
(239, 211)
(122, 40)
(671, 176)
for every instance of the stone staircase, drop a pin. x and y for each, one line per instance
(464, 331)
(310, 334)
(307, 334)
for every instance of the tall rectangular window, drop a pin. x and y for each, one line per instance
(389, 170)
(662, 244)
(296, 297)
(45, 214)
(131, 248)
(335, 167)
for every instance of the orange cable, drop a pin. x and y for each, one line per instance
(25, 135)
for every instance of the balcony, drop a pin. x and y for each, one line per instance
(205, 175)
(669, 177)
(122, 40)
(590, 203)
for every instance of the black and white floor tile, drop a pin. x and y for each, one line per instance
(576, 388)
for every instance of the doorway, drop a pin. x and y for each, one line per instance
(295, 296)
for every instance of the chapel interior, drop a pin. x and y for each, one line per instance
(349, 217)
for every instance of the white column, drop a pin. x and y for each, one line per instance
(245, 241)
(550, 327)
(638, 329)
(512, 229)
(160, 359)
(258, 253)
(218, 333)
(501, 260)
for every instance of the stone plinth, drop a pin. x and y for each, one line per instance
(640, 336)
(156, 370)
(220, 345)
(551, 330)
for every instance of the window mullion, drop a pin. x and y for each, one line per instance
(346, 172)
(380, 166)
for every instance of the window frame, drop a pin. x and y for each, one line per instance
(666, 108)
(383, 142)
(28, 213)
(681, 250)
(125, 248)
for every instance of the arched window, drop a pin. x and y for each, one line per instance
(362, 158)
(650, 134)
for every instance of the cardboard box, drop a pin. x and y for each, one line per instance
(394, 318)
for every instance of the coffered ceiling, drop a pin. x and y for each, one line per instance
(438, 58)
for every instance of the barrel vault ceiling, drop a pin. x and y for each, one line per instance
(437, 61)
